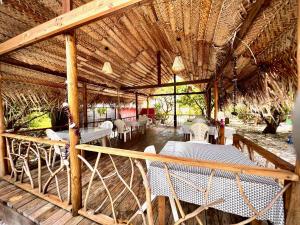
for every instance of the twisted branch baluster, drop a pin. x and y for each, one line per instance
(263, 211)
(129, 188)
(104, 184)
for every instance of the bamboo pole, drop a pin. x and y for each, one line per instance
(84, 97)
(293, 214)
(3, 162)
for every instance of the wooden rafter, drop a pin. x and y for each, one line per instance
(185, 93)
(167, 85)
(77, 17)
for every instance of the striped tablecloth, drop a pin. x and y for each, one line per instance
(87, 134)
(260, 190)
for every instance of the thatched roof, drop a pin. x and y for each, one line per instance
(210, 33)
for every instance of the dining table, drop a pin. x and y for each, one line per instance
(213, 131)
(87, 134)
(137, 124)
(259, 190)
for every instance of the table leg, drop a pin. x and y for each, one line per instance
(104, 141)
(161, 210)
(255, 222)
(82, 153)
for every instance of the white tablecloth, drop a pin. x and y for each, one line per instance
(135, 123)
(229, 131)
(260, 190)
(87, 134)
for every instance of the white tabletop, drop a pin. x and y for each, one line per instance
(87, 134)
(135, 123)
(229, 131)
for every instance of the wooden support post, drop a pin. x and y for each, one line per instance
(175, 105)
(222, 133)
(158, 56)
(161, 210)
(293, 214)
(147, 106)
(216, 97)
(72, 80)
(208, 103)
(76, 195)
(118, 107)
(94, 116)
(136, 106)
(84, 97)
(3, 162)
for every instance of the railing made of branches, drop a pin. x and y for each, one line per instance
(124, 173)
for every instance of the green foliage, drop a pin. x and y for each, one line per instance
(101, 111)
(186, 104)
(39, 120)
(196, 103)
(163, 107)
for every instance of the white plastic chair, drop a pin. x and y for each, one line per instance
(151, 149)
(122, 128)
(64, 164)
(199, 132)
(199, 142)
(108, 125)
(53, 136)
(143, 119)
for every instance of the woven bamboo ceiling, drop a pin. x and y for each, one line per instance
(206, 33)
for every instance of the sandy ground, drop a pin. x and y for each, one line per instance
(276, 143)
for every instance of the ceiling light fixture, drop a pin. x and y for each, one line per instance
(107, 69)
(178, 65)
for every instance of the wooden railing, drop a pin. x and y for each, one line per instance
(134, 157)
(131, 178)
(259, 154)
(32, 167)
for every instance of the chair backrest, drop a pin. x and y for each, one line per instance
(199, 132)
(53, 136)
(143, 118)
(120, 124)
(199, 120)
(149, 149)
(107, 125)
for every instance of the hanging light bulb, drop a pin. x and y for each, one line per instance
(107, 68)
(178, 65)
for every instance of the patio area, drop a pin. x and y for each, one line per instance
(40, 211)
(120, 112)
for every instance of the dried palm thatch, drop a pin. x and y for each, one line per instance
(211, 32)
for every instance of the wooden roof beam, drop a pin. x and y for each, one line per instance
(77, 17)
(166, 85)
(185, 93)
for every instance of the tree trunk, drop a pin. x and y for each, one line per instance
(272, 123)
(58, 118)
(271, 127)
